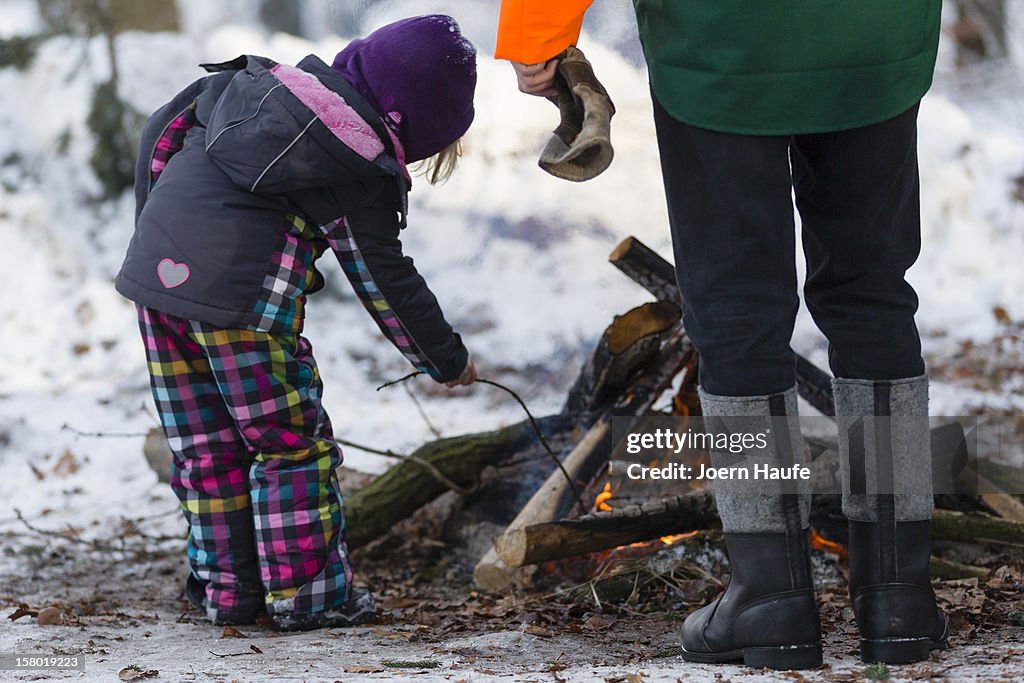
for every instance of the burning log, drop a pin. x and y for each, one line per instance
(649, 270)
(649, 521)
(539, 543)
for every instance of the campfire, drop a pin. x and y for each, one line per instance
(641, 355)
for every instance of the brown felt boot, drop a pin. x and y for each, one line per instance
(580, 148)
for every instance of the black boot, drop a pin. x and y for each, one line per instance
(886, 467)
(892, 595)
(767, 616)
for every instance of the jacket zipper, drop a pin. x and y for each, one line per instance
(283, 152)
(245, 120)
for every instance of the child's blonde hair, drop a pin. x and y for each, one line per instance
(440, 167)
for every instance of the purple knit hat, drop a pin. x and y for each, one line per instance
(420, 74)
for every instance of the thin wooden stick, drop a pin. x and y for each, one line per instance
(434, 472)
(533, 424)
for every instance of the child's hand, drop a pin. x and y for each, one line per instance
(467, 377)
(537, 79)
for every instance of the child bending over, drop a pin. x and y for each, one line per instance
(243, 180)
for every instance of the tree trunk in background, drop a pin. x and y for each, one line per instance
(111, 120)
(145, 15)
(980, 30)
(283, 15)
(124, 15)
(58, 15)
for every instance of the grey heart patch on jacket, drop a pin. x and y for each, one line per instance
(172, 274)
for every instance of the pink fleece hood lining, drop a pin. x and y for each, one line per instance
(336, 114)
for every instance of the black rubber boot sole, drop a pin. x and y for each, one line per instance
(901, 650)
(780, 658)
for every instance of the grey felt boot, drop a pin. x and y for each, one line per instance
(767, 616)
(886, 470)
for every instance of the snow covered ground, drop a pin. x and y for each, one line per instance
(516, 258)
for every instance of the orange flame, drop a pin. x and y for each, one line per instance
(680, 408)
(821, 543)
(601, 502)
(669, 540)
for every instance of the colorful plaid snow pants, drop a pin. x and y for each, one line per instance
(254, 462)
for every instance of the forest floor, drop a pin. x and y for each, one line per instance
(119, 602)
(121, 607)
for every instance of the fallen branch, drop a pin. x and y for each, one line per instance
(994, 482)
(428, 466)
(976, 528)
(941, 568)
(253, 650)
(129, 528)
(374, 509)
(67, 535)
(102, 435)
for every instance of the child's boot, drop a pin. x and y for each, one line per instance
(767, 616)
(246, 609)
(360, 608)
(887, 496)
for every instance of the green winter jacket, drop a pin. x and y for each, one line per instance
(780, 67)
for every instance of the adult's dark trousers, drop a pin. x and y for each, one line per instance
(730, 205)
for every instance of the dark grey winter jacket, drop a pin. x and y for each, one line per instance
(243, 180)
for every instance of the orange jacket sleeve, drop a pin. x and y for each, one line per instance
(531, 31)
